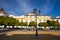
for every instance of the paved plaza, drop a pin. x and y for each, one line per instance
(30, 35)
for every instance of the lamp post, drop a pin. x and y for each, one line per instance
(35, 11)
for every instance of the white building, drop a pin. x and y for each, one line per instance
(31, 17)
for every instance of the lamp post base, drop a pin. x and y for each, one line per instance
(36, 34)
(38, 37)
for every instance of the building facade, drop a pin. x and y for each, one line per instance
(31, 17)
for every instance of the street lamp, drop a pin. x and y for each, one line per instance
(35, 11)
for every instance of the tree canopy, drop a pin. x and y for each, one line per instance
(5, 20)
(32, 23)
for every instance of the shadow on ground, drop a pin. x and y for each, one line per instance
(29, 37)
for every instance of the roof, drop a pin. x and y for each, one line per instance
(33, 14)
(3, 12)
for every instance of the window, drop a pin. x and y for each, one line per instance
(44, 20)
(40, 20)
(21, 20)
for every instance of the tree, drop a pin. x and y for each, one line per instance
(13, 22)
(1, 20)
(21, 23)
(40, 24)
(43, 24)
(32, 24)
(49, 23)
(5, 20)
(25, 24)
(54, 23)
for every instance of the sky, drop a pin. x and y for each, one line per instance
(22, 7)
